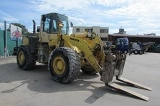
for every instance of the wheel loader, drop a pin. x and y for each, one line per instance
(67, 54)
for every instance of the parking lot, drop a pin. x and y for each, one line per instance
(36, 87)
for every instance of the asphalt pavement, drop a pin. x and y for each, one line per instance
(36, 87)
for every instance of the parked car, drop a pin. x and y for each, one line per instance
(136, 48)
(155, 48)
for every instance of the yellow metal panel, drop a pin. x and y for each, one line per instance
(44, 37)
(52, 39)
(25, 40)
(82, 45)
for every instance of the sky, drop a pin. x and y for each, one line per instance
(135, 16)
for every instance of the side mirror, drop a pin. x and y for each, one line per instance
(43, 18)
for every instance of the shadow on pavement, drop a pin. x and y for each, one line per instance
(40, 81)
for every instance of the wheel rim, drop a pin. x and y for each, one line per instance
(21, 57)
(59, 65)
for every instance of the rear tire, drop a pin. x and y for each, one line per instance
(88, 69)
(25, 59)
(64, 64)
(135, 51)
(141, 52)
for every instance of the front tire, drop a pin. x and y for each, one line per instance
(25, 59)
(64, 64)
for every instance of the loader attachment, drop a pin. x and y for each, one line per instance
(116, 65)
(119, 70)
(107, 76)
(126, 91)
(133, 83)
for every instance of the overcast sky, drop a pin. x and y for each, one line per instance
(135, 16)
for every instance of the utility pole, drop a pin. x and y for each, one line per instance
(5, 39)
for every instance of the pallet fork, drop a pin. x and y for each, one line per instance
(114, 68)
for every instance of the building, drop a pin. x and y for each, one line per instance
(101, 31)
(134, 38)
(151, 34)
(121, 31)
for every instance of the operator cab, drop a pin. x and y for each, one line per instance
(49, 23)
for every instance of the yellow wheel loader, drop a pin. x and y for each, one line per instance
(67, 54)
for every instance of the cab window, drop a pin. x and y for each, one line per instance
(46, 25)
(54, 27)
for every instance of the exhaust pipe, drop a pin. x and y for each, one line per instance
(34, 26)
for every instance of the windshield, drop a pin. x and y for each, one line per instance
(64, 20)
